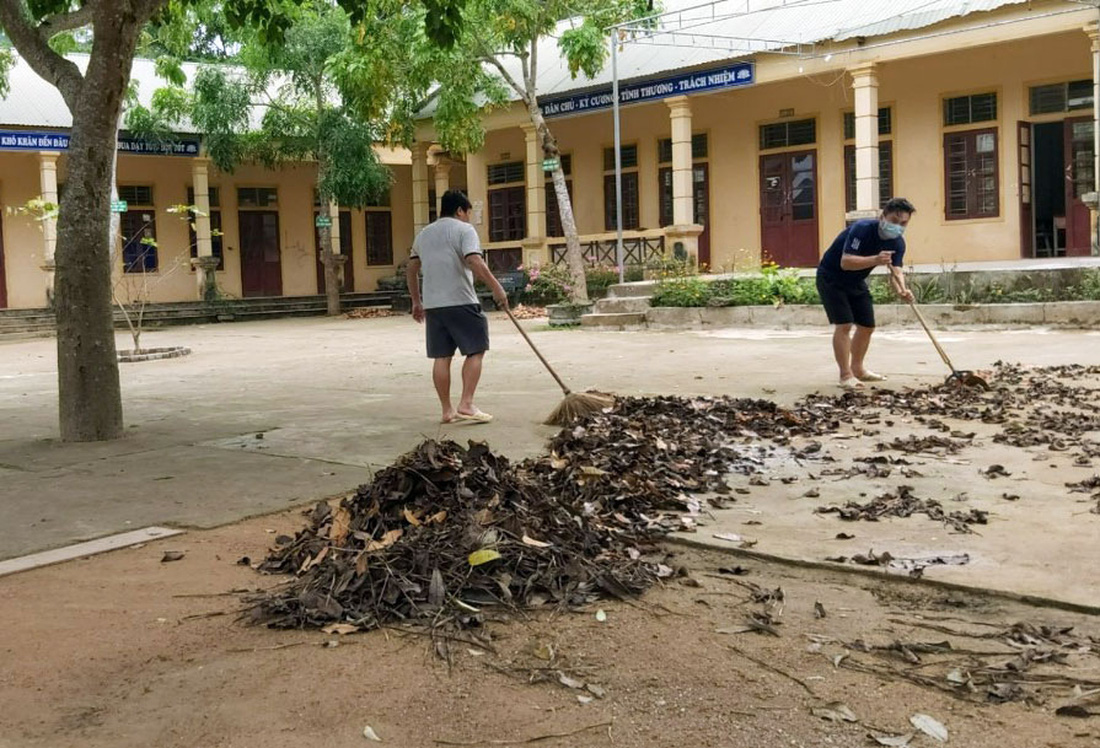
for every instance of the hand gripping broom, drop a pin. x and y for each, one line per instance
(576, 404)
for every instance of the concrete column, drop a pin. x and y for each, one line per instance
(682, 187)
(865, 85)
(47, 169)
(1093, 200)
(205, 264)
(420, 185)
(442, 183)
(683, 235)
(477, 186)
(536, 185)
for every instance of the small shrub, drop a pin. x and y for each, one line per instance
(682, 292)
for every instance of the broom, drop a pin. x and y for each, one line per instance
(576, 404)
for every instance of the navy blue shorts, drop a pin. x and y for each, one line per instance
(846, 304)
(449, 327)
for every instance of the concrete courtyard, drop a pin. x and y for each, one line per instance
(267, 415)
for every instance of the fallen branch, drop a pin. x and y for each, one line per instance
(773, 669)
(536, 739)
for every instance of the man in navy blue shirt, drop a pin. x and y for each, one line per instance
(842, 284)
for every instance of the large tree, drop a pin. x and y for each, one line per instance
(496, 34)
(90, 401)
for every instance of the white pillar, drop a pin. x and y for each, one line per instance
(200, 182)
(536, 186)
(683, 201)
(420, 185)
(47, 170)
(865, 85)
(442, 182)
(205, 264)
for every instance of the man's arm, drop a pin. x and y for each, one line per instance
(412, 279)
(897, 282)
(859, 262)
(482, 272)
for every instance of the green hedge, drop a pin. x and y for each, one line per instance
(773, 287)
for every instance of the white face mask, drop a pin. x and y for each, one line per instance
(888, 230)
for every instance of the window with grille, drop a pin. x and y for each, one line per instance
(885, 174)
(139, 236)
(885, 123)
(506, 173)
(698, 148)
(1061, 97)
(433, 206)
(136, 194)
(215, 226)
(964, 110)
(379, 237)
(629, 157)
(970, 167)
(631, 219)
(553, 215)
(786, 134)
(257, 197)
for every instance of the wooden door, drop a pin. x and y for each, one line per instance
(348, 284)
(3, 280)
(261, 263)
(788, 208)
(1027, 211)
(1079, 180)
(700, 180)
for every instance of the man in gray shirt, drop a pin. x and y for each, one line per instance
(449, 255)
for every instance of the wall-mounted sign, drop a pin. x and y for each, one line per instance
(729, 76)
(21, 140)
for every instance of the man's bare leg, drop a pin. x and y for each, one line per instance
(861, 340)
(842, 350)
(441, 377)
(471, 375)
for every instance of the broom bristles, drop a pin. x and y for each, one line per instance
(576, 405)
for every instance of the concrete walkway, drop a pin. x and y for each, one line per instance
(270, 414)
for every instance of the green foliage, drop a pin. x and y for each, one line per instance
(687, 291)
(7, 60)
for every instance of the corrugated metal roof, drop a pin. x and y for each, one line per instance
(32, 102)
(780, 21)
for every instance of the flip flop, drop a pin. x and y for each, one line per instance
(851, 383)
(476, 417)
(870, 376)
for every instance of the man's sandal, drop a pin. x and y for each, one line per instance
(476, 417)
(870, 376)
(851, 383)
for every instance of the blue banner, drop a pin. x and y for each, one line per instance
(729, 76)
(19, 140)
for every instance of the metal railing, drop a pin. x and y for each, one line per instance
(637, 250)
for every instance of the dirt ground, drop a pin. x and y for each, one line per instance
(125, 650)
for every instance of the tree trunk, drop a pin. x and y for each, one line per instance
(574, 258)
(87, 362)
(332, 274)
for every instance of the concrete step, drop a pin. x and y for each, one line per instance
(628, 290)
(617, 321)
(626, 304)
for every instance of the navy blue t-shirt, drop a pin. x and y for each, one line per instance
(861, 238)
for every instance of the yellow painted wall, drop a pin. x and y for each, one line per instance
(914, 87)
(24, 245)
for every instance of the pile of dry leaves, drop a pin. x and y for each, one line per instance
(370, 312)
(448, 529)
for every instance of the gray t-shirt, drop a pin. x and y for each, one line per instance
(442, 248)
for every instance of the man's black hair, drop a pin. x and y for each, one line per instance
(452, 202)
(898, 205)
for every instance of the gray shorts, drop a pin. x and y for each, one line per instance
(448, 327)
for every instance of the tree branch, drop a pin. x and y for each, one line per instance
(33, 46)
(491, 58)
(76, 19)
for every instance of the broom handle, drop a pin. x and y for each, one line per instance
(927, 329)
(545, 363)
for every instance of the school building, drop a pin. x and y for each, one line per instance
(261, 232)
(981, 112)
(750, 131)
